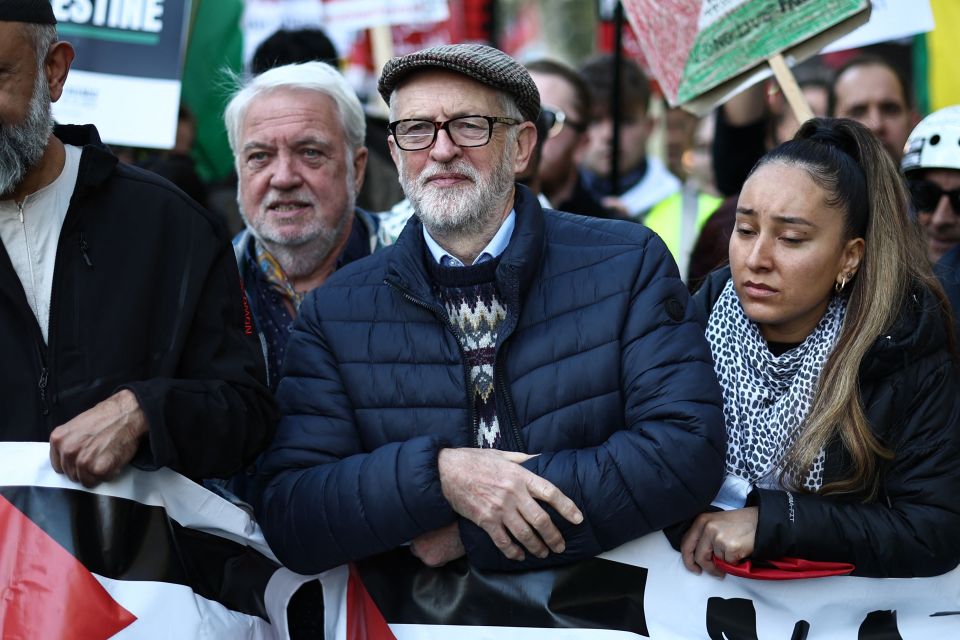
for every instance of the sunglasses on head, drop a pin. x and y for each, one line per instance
(926, 195)
(556, 120)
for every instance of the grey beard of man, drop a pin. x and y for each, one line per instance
(290, 253)
(22, 145)
(457, 212)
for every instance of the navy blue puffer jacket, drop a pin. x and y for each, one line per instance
(601, 369)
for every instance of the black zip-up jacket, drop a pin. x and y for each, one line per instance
(909, 389)
(147, 297)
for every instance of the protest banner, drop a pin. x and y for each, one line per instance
(126, 75)
(155, 555)
(704, 51)
(639, 590)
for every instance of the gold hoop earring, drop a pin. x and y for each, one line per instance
(840, 284)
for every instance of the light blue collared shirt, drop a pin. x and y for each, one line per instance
(494, 248)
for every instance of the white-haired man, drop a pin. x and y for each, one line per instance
(124, 335)
(297, 134)
(518, 386)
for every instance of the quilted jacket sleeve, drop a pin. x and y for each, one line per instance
(667, 463)
(325, 501)
(912, 530)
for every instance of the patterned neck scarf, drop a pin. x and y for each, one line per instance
(275, 276)
(766, 398)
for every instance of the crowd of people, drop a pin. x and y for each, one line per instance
(507, 366)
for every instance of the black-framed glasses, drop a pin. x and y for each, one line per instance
(465, 131)
(557, 119)
(926, 195)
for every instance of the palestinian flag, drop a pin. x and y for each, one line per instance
(150, 555)
(154, 555)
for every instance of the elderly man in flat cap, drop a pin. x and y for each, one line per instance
(521, 386)
(124, 334)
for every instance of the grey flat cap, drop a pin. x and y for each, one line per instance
(484, 64)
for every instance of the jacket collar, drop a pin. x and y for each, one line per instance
(96, 164)
(518, 263)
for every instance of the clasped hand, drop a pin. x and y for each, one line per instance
(728, 535)
(492, 490)
(94, 446)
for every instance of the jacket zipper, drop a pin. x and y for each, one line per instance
(26, 244)
(83, 250)
(472, 426)
(44, 379)
(46, 385)
(500, 377)
(500, 380)
(44, 376)
(44, 371)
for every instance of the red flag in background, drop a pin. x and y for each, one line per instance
(47, 593)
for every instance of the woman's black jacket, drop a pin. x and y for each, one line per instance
(910, 391)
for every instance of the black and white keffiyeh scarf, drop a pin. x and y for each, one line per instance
(766, 398)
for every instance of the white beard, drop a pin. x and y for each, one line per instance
(459, 211)
(301, 255)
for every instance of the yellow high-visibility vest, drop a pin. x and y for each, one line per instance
(678, 220)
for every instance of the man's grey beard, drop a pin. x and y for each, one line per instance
(300, 257)
(22, 145)
(460, 211)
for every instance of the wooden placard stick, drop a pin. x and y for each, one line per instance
(788, 84)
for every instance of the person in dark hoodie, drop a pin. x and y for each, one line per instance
(126, 337)
(833, 343)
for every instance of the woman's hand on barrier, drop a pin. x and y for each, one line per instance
(728, 535)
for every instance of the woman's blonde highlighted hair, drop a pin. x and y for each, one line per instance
(846, 160)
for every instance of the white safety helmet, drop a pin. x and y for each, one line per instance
(935, 142)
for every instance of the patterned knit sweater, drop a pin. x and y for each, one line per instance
(476, 311)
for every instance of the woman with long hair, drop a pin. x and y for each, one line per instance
(833, 343)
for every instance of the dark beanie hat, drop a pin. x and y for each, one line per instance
(484, 64)
(33, 11)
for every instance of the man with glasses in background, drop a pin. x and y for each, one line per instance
(931, 163)
(566, 101)
(519, 387)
